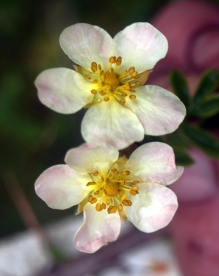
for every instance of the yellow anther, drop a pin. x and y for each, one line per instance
(127, 86)
(97, 192)
(98, 207)
(120, 207)
(134, 74)
(99, 66)
(124, 94)
(112, 60)
(102, 93)
(88, 77)
(111, 209)
(137, 83)
(94, 67)
(103, 205)
(125, 73)
(108, 201)
(94, 200)
(106, 99)
(90, 183)
(90, 198)
(131, 70)
(132, 97)
(102, 73)
(135, 188)
(125, 173)
(95, 173)
(118, 61)
(132, 192)
(115, 171)
(123, 197)
(127, 202)
(135, 182)
(95, 81)
(122, 101)
(93, 91)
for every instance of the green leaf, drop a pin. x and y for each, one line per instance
(207, 108)
(207, 85)
(202, 140)
(182, 158)
(180, 87)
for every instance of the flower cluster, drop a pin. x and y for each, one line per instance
(109, 80)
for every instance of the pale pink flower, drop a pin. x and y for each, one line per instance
(109, 80)
(108, 187)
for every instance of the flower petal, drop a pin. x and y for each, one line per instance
(91, 158)
(61, 187)
(84, 44)
(159, 110)
(109, 123)
(140, 45)
(63, 90)
(98, 229)
(154, 162)
(153, 208)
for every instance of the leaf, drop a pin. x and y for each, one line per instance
(180, 87)
(207, 108)
(182, 158)
(201, 139)
(207, 85)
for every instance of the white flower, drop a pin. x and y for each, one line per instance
(109, 80)
(108, 187)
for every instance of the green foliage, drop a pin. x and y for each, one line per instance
(180, 87)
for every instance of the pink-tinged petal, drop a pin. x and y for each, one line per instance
(63, 90)
(61, 187)
(154, 162)
(153, 208)
(90, 158)
(84, 44)
(140, 45)
(98, 229)
(109, 123)
(159, 110)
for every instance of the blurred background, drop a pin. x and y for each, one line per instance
(33, 137)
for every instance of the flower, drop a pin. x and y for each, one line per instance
(108, 187)
(109, 80)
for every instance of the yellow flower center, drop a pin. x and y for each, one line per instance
(112, 84)
(112, 190)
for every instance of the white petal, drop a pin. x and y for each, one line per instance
(109, 123)
(63, 90)
(154, 162)
(84, 44)
(98, 229)
(140, 45)
(61, 187)
(153, 208)
(159, 110)
(91, 158)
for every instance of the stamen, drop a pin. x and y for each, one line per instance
(132, 192)
(99, 66)
(134, 74)
(112, 60)
(95, 173)
(102, 93)
(127, 202)
(132, 97)
(123, 197)
(118, 61)
(93, 91)
(94, 67)
(97, 192)
(94, 200)
(111, 209)
(90, 183)
(131, 70)
(90, 198)
(135, 182)
(103, 206)
(88, 77)
(122, 101)
(106, 99)
(108, 201)
(137, 83)
(125, 173)
(98, 207)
